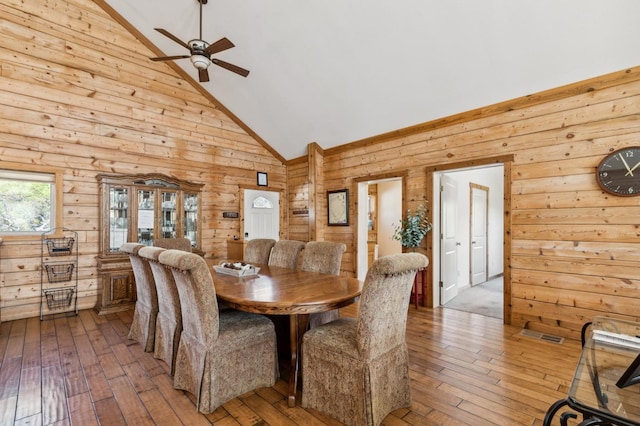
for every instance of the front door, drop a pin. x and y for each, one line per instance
(448, 239)
(261, 214)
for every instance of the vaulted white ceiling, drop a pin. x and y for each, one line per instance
(337, 71)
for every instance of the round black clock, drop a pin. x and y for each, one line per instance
(619, 172)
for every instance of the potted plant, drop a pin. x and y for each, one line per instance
(413, 228)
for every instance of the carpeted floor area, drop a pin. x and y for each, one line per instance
(484, 299)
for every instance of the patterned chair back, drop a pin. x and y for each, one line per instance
(382, 319)
(197, 294)
(285, 253)
(323, 256)
(258, 251)
(143, 325)
(169, 321)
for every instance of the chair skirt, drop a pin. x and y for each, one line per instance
(339, 382)
(143, 326)
(167, 339)
(241, 359)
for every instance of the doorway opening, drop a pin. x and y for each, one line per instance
(377, 219)
(469, 256)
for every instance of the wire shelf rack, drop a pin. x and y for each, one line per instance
(59, 272)
(60, 246)
(59, 298)
(58, 243)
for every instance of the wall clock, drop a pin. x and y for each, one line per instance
(619, 172)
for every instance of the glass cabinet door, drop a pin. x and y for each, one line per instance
(118, 217)
(144, 208)
(146, 217)
(169, 219)
(191, 218)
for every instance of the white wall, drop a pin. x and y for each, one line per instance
(389, 210)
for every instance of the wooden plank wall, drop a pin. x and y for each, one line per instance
(298, 203)
(575, 250)
(78, 92)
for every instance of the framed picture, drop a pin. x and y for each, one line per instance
(262, 179)
(338, 207)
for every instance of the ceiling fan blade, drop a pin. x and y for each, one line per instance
(230, 67)
(203, 75)
(172, 37)
(169, 58)
(220, 45)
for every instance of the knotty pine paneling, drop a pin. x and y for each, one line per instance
(573, 251)
(298, 189)
(78, 92)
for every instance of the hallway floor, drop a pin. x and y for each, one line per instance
(483, 299)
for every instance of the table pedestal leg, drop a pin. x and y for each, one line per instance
(298, 327)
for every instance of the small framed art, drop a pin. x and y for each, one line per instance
(338, 207)
(262, 179)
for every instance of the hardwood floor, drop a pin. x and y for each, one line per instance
(82, 370)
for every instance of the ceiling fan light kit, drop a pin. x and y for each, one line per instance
(200, 52)
(201, 62)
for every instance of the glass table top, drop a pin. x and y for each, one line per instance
(605, 357)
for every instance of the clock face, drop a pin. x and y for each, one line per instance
(619, 172)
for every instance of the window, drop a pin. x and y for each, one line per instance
(29, 201)
(261, 203)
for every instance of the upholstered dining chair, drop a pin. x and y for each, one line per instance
(221, 355)
(143, 326)
(258, 251)
(285, 253)
(324, 257)
(173, 243)
(356, 369)
(169, 319)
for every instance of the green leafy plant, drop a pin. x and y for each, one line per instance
(413, 228)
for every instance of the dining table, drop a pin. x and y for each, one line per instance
(285, 291)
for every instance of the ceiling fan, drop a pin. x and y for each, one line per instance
(201, 52)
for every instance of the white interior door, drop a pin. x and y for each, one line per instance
(478, 244)
(261, 214)
(448, 239)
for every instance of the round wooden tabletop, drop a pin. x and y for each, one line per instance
(284, 291)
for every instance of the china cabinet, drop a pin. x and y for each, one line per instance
(140, 208)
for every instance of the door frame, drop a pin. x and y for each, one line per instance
(507, 161)
(361, 218)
